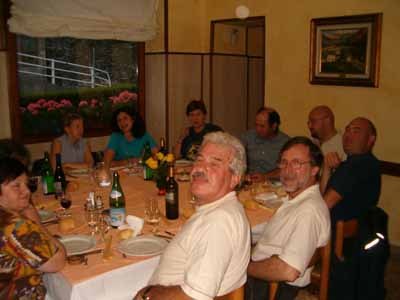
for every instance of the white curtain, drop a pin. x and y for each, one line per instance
(128, 20)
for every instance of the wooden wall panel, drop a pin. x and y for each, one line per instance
(229, 92)
(184, 85)
(156, 95)
(206, 82)
(256, 89)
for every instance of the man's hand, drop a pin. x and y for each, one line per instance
(332, 160)
(257, 177)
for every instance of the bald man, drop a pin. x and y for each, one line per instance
(355, 185)
(321, 123)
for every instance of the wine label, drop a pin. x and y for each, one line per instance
(48, 184)
(170, 198)
(117, 216)
(115, 194)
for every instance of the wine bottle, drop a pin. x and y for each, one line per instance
(147, 171)
(172, 196)
(59, 178)
(117, 202)
(47, 176)
(163, 146)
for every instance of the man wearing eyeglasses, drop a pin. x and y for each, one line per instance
(321, 123)
(297, 229)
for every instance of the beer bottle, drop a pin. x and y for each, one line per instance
(59, 177)
(172, 196)
(117, 202)
(147, 171)
(47, 176)
(163, 146)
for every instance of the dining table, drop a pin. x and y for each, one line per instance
(120, 276)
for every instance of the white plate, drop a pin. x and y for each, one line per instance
(46, 215)
(142, 246)
(78, 243)
(270, 200)
(78, 172)
(183, 163)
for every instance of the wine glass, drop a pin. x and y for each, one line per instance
(65, 203)
(33, 184)
(152, 213)
(92, 219)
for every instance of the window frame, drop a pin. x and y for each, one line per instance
(13, 87)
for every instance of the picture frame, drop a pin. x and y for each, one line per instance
(346, 50)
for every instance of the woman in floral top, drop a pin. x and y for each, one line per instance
(27, 249)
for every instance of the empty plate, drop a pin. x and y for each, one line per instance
(46, 215)
(142, 246)
(78, 243)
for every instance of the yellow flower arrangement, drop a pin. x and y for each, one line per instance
(159, 165)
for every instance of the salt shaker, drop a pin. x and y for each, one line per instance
(99, 202)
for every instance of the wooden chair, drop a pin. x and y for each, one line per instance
(320, 275)
(237, 294)
(322, 255)
(344, 230)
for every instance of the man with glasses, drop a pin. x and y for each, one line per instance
(297, 229)
(321, 123)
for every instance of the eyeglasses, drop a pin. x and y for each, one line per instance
(295, 164)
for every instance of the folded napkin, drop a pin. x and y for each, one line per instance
(134, 223)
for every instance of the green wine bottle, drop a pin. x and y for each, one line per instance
(47, 176)
(147, 171)
(117, 203)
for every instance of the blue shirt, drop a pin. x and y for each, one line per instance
(124, 149)
(262, 153)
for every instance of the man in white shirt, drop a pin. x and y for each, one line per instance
(321, 123)
(209, 256)
(297, 229)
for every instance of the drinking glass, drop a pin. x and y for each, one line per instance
(133, 166)
(65, 202)
(33, 184)
(92, 219)
(152, 213)
(103, 176)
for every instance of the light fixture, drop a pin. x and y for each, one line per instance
(242, 12)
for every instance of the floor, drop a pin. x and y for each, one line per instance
(392, 279)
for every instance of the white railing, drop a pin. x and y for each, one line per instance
(55, 67)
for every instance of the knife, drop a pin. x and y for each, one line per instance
(94, 251)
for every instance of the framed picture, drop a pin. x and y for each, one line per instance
(346, 50)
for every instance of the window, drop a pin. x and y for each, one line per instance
(61, 75)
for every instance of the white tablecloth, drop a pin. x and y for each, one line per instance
(119, 284)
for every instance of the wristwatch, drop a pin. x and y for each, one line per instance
(144, 295)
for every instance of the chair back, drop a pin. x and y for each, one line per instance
(344, 230)
(237, 294)
(321, 254)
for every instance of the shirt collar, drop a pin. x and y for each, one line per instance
(209, 206)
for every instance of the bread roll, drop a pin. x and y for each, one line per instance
(250, 204)
(66, 224)
(125, 234)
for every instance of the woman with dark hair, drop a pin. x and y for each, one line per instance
(27, 249)
(190, 140)
(128, 138)
(75, 151)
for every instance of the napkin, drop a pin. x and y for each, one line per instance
(134, 223)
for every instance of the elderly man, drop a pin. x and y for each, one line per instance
(263, 145)
(355, 185)
(321, 123)
(297, 229)
(209, 256)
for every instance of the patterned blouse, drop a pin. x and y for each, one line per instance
(23, 249)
